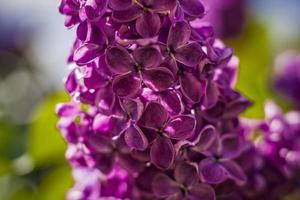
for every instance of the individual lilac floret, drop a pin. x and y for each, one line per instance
(153, 111)
(287, 76)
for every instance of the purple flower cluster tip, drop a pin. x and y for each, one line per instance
(154, 113)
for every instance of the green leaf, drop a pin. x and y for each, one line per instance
(254, 51)
(45, 144)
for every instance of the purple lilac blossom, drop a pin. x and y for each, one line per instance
(287, 76)
(154, 113)
(227, 17)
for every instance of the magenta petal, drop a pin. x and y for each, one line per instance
(231, 146)
(235, 172)
(129, 163)
(120, 4)
(163, 186)
(161, 5)
(186, 174)
(211, 172)
(202, 191)
(119, 60)
(71, 82)
(87, 53)
(147, 57)
(135, 138)
(158, 79)
(211, 96)
(104, 162)
(162, 153)
(105, 99)
(148, 25)
(206, 139)
(99, 143)
(190, 54)
(109, 125)
(154, 116)
(134, 108)
(192, 7)
(179, 34)
(181, 127)
(128, 15)
(191, 87)
(126, 85)
(172, 102)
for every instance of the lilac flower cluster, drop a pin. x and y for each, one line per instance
(272, 157)
(154, 113)
(287, 76)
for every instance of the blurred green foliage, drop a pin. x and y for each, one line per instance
(33, 165)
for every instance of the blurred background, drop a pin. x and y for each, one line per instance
(34, 46)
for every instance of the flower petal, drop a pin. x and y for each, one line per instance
(163, 186)
(179, 34)
(206, 138)
(105, 99)
(211, 96)
(211, 172)
(104, 162)
(129, 163)
(190, 54)
(191, 87)
(162, 153)
(120, 4)
(99, 143)
(235, 172)
(158, 79)
(135, 138)
(192, 7)
(126, 85)
(154, 116)
(109, 125)
(231, 146)
(119, 60)
(128, 15)
(181, 127)
(148, 25)
(87, 53)
(202, 191)
(134, 108)
(171, 101)
(147, 56)
(161, 5)
(186, 174)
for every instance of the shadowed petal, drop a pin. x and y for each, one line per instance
(99, 143)
(202, 191)
(192, 7)
(129, 163)
(231, 146)
(120, 4)
(105, 99)
(109, 125)
(171, 101)
(211, 95)
(179, 34)
(128, 15)
(186, 174)
(119, 60)
(87, 53)
(135, 138)
(181, 127)
(162, 153)
(160, 5)
(104, 162)
(147, 56)
(154, 116)
(148, 25)
(134, 108)
(126, 85)
(158, 79)
(163, 186)
(235, 172)
(205, 139)
(191, 87)
(189, 55)
(211, 172)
